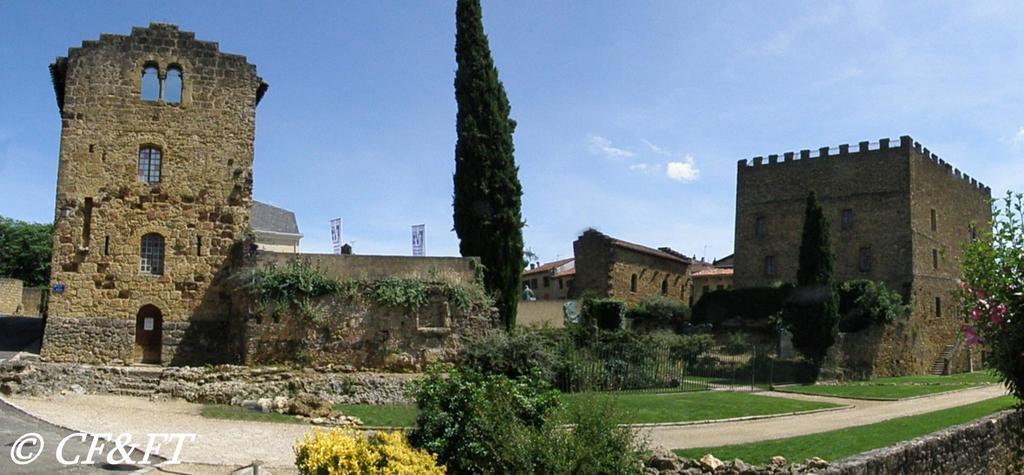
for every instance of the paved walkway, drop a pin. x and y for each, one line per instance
(862, 413)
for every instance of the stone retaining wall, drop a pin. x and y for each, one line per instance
(10, 296)
(217, 384)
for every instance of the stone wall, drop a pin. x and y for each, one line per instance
(367, 335)
(541, 313)
(456, 270)
(33, 301)
(218, 384)
(889, 191)
(606, 267)
(990, 445)
(10, 296)
(199, 206)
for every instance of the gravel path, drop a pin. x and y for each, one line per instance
(862, 413)
(238, 443)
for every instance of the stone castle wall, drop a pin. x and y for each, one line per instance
(200, 205)
(357, 330)
(457, 270)
(10, 296)
(891, 190)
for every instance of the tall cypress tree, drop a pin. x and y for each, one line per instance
(812, 312)
(487, 197)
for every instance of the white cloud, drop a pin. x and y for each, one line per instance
(1018, 138)
(685, 171)
(602, 146)
(646, 168)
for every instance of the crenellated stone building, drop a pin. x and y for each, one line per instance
(154, 191)
(899, 214)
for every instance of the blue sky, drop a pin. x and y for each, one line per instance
(631, 115)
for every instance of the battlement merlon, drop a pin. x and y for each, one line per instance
(160, 36)
(904, 144)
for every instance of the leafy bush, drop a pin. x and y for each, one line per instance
(993, 292)
(513, 354)
(736, 344)
(493, 424)
(291, 287)
(400, 292)
(606, 314)
(863, 303)
(384, 453)
(754, 304)
(659, 311)
(475, 423)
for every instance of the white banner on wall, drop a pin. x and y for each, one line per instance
(419, 243)
(336, 235)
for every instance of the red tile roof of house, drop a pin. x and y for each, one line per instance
(568, 273)
(649, 250)
(712, 271)
(550, 266)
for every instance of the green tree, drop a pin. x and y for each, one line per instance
(487, 194)
(25, 250)
(812, 311)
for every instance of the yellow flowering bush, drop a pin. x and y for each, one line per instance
(339, 452)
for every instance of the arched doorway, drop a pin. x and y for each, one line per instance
(148, 335)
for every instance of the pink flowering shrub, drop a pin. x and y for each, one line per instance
(991, 293)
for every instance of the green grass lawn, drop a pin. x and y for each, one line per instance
(896, 388)
(636, 408)
(397, 415)
(642, 408)
(221, 411)
(838, 444)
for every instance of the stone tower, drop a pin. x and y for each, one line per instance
(154, 191)
(899, 214)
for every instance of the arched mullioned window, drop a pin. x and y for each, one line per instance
(151, 253)
(173, 85)
(150, 84)
(150, 161)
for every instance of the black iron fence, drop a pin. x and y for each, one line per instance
(666, 369)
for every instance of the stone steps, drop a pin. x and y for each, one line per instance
(939, 366)
(137, 382)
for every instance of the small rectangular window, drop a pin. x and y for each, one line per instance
(864, 259)
(87, 222)
(149, 165)
(938, 307)
(935, 258)
(547, 282)
(199, 245)
(560, 284)
(759, 227)
(972, 232)
(846, 219)
(106, 246)
(935, 221)
(769, 266)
